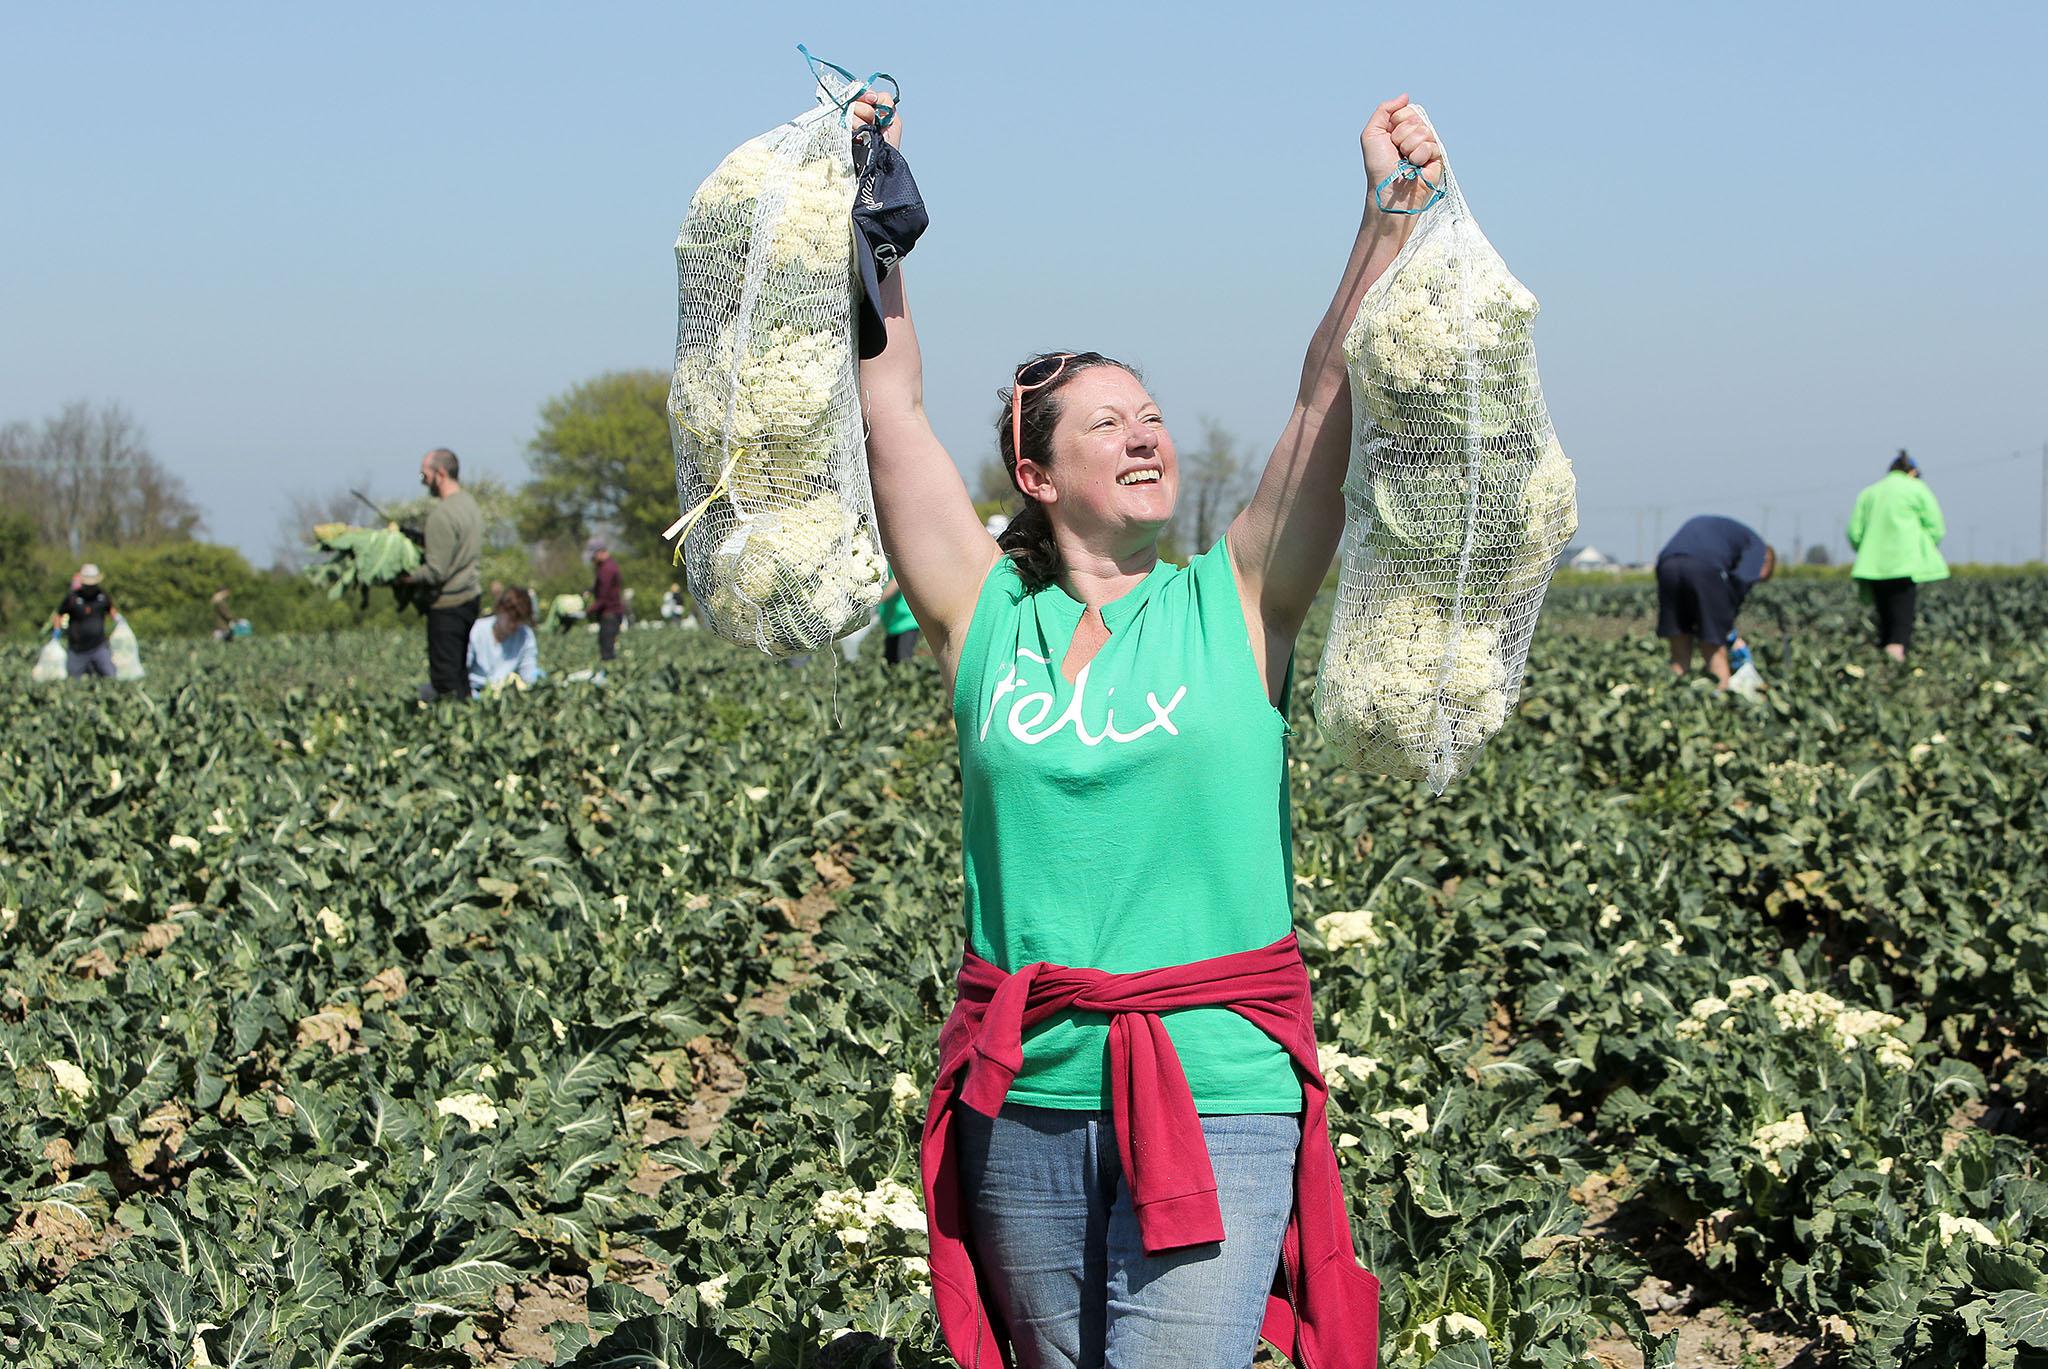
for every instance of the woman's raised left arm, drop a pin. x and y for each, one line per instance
(1282, 542)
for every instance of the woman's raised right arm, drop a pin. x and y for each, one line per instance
(937, 547)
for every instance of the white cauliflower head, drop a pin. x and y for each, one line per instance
(791, 578)
(782, 547)
(854, 1216)
(1442, 343)
(1546, 517)
(776, 397)
(810, 196)
(1516, 511)
(1772, 1139)
(1401, 675)
(1348, 928)
(1550, 500)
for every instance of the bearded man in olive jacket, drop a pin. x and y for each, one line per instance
(454, 551)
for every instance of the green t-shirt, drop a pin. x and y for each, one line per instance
(895, 615)
(1133, 818)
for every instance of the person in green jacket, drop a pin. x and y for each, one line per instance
(1895, 530)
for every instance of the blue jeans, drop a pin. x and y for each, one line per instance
(1056, 1238)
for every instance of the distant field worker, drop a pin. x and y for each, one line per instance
(226, 626)
(503, 646)
(85, 615)
(898, 624)
(607, 598)
(1896, 530)
(454, 552)
(1704, 573)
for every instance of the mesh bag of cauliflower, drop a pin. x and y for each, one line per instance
(778, 532)
(1458, 502)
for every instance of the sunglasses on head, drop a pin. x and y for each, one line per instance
(1036, 374)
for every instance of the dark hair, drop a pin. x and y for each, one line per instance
(1902, 462)
(443, 460)
(1028, 539)
(512, 612)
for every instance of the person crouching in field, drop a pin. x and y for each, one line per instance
(675, 611)
(1704, 573)
(502, 646)
(1896, 529)
(1127, 1147)
(84, 615)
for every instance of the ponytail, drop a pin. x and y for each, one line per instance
(1028, 542)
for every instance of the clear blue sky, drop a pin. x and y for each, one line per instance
(1773, 242)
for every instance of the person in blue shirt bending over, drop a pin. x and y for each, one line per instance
(502, 646)
(1704, 573)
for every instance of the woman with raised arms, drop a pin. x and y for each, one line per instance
(1126, 1161)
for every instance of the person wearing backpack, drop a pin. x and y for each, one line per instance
(1896, 529)
(85, 615)
(1127, 1157)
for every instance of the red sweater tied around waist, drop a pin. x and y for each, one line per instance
(1324, 1309)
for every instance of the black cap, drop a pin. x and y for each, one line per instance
(888, 217)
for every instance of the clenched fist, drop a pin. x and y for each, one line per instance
(862, 112)
(1398, 132)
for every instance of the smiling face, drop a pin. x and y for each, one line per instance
(1114, 477)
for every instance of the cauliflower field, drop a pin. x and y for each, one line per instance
(591, 1027)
